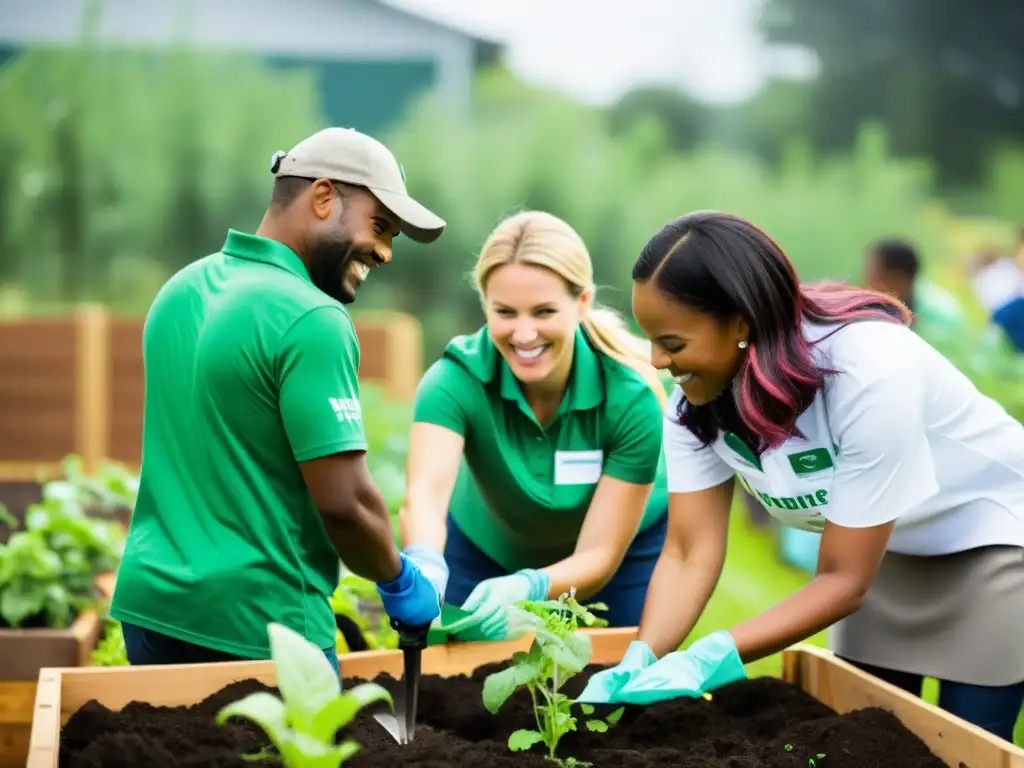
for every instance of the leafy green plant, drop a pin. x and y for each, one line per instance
(109, 492)
(48, 570)
(357, 599)
(558, 652)
(303, 724)
(110, 652)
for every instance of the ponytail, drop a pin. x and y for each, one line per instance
(610, 336)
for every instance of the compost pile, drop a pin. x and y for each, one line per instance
(759, 723)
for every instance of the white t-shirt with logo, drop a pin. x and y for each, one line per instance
(898, 434)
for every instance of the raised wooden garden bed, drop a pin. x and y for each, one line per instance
(761, 722)
(23, 653)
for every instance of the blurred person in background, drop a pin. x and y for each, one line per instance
(998, 283)
(892, 266)
(535, 460)
(254, 480)
(824, 403)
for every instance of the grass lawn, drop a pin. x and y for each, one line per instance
(754, 578)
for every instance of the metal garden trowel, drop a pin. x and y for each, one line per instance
(411, 641)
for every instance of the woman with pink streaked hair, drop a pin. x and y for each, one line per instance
(823, 403)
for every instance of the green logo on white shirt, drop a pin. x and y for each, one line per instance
(808, 462)
(806, 501)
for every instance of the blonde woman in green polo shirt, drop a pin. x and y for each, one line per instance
(535, 454)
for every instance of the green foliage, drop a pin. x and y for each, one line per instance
(110, 652)
(558, 652)
(126, 164)
(386, 423)
(522, 147)
(48, 570)
(357, 597)
(110, 491)
(303, 723)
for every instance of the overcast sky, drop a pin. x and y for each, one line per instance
(708, 47)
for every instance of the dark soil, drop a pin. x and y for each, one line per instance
(760, 723)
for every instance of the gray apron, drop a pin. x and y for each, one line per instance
(955, 617)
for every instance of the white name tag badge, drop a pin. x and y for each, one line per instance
(578, 467)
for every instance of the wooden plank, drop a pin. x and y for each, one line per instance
(17, 699)
(845, 688)
(14, 741)
(44, 739)
(835, 683)
(62, 691)
(22, 654)
(92, 385)
(30, 471)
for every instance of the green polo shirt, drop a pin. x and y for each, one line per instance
(524, 489)
(249, 370)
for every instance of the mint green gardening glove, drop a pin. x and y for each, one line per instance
(603, 687)
(709, 663)
(486, 604)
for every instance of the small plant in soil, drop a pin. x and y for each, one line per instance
(303, 724)
(557, 653)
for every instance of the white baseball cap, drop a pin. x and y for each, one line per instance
(346, 155)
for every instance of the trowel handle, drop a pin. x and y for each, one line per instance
(411, 637)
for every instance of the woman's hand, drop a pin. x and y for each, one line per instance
(487, 603)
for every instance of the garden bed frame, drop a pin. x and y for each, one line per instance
(24, 653)
(833, 682)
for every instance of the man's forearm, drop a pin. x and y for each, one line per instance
(364, 539)
(818, 605)
(677, 595)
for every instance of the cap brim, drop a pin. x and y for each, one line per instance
(418, 223)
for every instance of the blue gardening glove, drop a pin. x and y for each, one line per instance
(603, 687)
(488, 619)
(432, 564)
(411, 598)
(710, 663)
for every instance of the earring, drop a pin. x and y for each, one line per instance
(742, 345)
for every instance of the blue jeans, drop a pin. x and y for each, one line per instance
(1010, 317)
(144, 646)
(993, 708)
(624, 594)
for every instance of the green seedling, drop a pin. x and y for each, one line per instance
(557, 653)
(303, 724)
(812, 762)
(597, 725)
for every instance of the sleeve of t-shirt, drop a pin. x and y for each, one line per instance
(690, 465)
(441, 396)
(636, 442)
(884, 465)
(318, 385)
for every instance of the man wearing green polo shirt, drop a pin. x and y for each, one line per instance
(254, 479)
(535, 459)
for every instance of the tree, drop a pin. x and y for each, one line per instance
(945, 77)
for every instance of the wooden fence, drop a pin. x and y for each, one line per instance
(75, 385)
